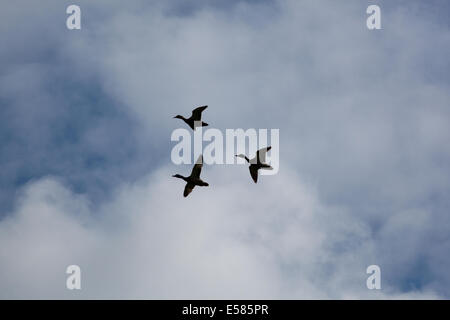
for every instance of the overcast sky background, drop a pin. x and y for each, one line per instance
(85, 125)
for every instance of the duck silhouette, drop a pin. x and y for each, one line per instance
(195, 117)
(194, 179)
(257, 162)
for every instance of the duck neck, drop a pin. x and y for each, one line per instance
(180, 177)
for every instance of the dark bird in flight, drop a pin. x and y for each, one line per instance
(195, 117)
(257, 163)
(194, 179)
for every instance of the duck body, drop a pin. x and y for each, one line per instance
(194, 179)
(257, 163)
(195, 120)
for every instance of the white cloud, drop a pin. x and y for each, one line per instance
(360, 120)
(231, 240)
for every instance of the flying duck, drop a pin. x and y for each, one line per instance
(257, 163)
(195, 117)
(194, 179)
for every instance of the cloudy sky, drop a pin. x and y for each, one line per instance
(85, 126)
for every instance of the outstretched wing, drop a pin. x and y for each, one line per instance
(197, 112)
(254, 173)
(188, 189)
(197, 169)
(261, 154)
